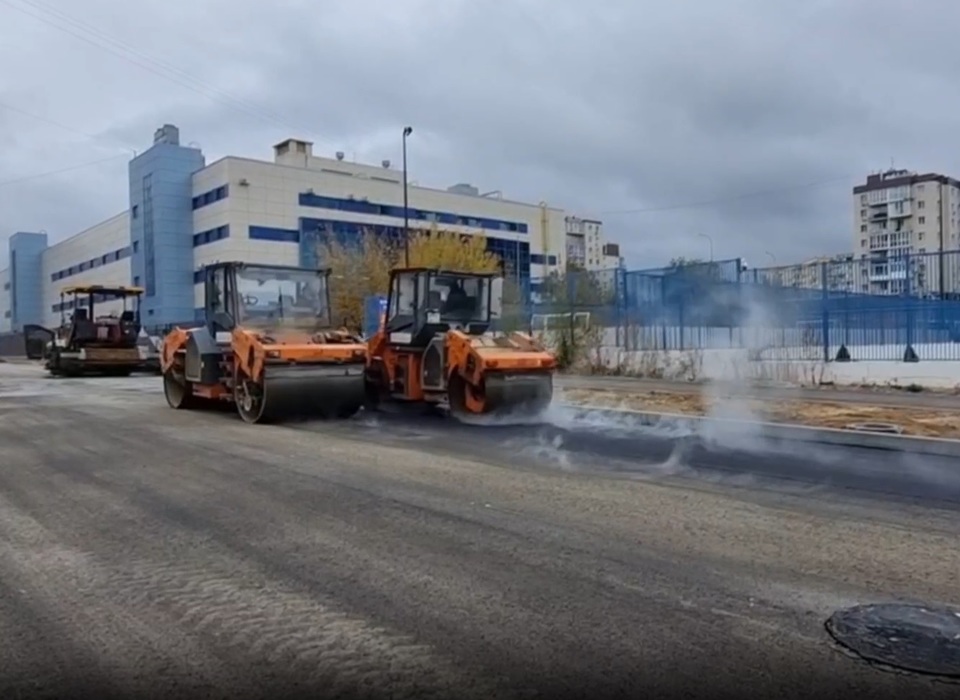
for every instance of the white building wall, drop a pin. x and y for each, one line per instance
(270, 199)
(91, 255)
(245, 206)
(5, 300)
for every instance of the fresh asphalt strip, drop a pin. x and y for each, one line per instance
(641, 450)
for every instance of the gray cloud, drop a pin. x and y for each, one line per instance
(681, 111)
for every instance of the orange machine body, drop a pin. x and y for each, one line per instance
(474, 371)
(269, 363)
(249, 353)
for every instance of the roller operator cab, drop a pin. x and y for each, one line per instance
(267, 347)
(438, 345)
(98, 333)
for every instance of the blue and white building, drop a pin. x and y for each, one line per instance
(184, 213)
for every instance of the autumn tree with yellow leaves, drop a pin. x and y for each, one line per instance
(361, 267)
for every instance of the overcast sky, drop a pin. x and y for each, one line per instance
(745, 120)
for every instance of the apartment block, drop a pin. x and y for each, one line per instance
(900, 218)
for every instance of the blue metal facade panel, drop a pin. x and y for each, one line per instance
(26, 278)
(161, 230)
(313, 232)
(361, 206)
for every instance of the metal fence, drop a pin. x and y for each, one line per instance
(878, 307)
(904, 308)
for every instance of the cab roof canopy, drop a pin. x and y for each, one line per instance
(444, 272)
(116, 291)
(238, 265)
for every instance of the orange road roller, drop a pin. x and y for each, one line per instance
(436, 346)
(268, 346)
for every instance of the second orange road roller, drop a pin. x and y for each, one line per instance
(268, 346)
(437, 346)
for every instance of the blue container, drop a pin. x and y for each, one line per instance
(374, 308)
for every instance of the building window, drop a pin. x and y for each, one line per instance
(863, 228)
(921, 219)
(921, 204)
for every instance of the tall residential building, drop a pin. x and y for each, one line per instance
(901, 215)
(836, 273)
(586, 246)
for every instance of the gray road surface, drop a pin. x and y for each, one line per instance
(146, 552)
(872, 397)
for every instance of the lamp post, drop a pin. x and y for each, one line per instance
(407, 130)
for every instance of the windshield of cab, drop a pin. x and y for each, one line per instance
(455, 298)
(270, 298)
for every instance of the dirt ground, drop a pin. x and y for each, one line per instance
(929, 422)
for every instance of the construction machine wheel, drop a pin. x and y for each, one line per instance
(302, 392)
(501, 395)
(179, 392)
(52, 361)
(373, 386)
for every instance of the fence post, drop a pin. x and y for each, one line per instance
(825, 312)
(909, 354)
(740, 316)
(681, 321)
(665, 316)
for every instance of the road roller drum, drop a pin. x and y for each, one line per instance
(290, 392)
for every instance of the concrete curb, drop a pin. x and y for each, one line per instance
(699, 425)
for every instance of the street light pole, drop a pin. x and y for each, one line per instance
(407, 130)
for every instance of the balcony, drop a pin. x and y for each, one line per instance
(888, 272)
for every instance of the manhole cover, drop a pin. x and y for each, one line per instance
(920, 638)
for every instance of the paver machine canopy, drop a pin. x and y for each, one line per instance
(437, 346)
(101, 333)
(268, 345)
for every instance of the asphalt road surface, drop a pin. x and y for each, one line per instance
(146, 552)
(879, 396)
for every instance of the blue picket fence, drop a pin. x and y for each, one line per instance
(869, 308)
(855, 309)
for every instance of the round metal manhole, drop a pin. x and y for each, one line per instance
(876, 427)
(919, 638)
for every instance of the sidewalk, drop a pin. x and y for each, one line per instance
(921, 414)
(873, 396)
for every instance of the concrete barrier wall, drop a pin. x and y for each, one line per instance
(806, 367)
